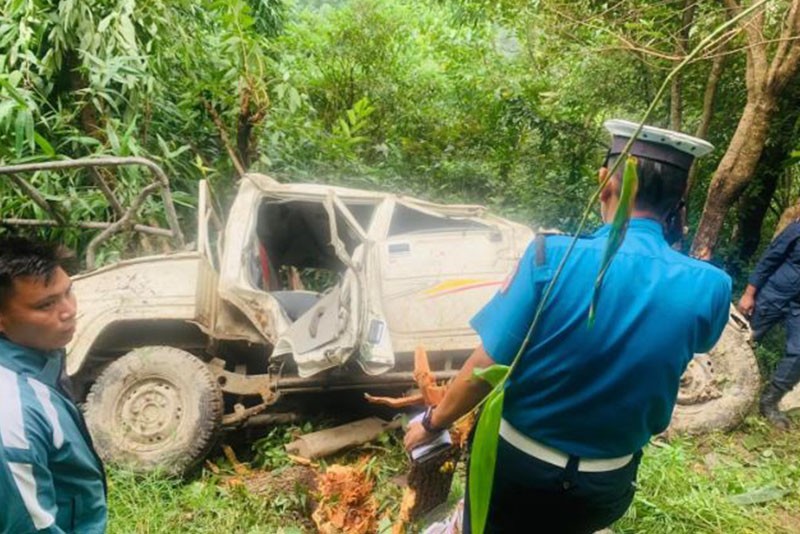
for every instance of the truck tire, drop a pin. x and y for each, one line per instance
(155, 408)
(718, 388)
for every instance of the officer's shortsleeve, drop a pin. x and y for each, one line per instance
(713, 323)
(503, 323)
(775, 255)
(28, 493)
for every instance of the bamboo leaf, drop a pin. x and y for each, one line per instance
(19, 131)
(493, 374)
(619, 227)
(483, 457)
(46, 147)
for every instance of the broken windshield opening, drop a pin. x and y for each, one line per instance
(295, 250)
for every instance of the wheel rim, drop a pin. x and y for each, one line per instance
(698, 383)
(150, 412)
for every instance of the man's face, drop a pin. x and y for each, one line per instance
(39, 315)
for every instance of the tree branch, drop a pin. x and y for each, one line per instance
(107, 192)
(37, 198)
(123, 223)
(223, 134)
(786, 60)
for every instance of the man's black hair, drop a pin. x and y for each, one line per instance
(20, 256)
(661, 185)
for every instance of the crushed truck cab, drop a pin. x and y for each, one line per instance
(301, 287)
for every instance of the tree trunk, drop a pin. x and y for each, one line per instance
(756, 199)
(755, 203)
(766, 80)
(709, 96)
(733, 172)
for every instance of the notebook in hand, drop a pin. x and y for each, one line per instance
(422, 452)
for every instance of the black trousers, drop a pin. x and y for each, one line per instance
(531, 496)
(767, 315)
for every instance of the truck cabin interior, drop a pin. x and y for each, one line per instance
(296, 261)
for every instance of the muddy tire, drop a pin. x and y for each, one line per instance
(155, 408)
(718, 388)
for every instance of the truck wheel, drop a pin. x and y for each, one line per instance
(155, 408)
(718, 388)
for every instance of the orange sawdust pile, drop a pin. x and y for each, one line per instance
(346, 503)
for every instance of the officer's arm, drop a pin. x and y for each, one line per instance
(26, 484)
(774, 256)
(464, 392)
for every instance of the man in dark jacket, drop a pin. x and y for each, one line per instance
(51, 479)
(772, 296)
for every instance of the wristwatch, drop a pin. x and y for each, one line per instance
(426, 421)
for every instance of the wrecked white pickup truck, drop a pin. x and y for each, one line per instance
(172, 348)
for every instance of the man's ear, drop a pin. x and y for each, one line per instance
(609, 189)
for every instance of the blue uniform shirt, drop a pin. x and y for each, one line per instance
(603, 391)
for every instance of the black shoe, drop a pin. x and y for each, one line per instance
(768, 406)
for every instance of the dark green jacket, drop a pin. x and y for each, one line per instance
(51, 479)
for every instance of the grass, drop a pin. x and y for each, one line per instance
(689, 485)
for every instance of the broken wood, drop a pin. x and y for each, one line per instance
(329, 441)
(238, 467)
(430, 393)
(346, 502)
(396, 402)
(430, 481)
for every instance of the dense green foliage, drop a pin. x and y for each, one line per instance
(497, 103)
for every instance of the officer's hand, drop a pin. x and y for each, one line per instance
(747, 305)
(415, 435)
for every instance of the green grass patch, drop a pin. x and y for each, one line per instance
(688, 485)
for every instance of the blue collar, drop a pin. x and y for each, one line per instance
(640, 226)
(45, 366)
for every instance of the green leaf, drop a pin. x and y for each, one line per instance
(764, 494)
(483, 457)
(19, 131)
(493, 374)
(619, 227)
(46, 147)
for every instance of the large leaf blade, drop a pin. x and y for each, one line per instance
(619, 227)
(482, 460)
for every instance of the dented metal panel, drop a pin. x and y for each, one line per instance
(155, 287)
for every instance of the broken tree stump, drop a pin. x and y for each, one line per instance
(430, 480)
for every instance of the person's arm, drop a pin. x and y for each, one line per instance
(774, 256)
(462, 395)
(26, 483)
(747, 304)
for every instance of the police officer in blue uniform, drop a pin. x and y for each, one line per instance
(773, 296)
(584, 400)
